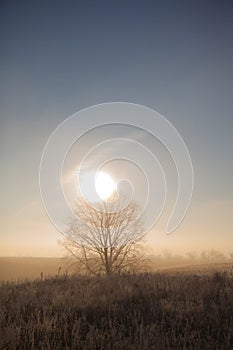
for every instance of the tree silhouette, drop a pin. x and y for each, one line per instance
(105, 238)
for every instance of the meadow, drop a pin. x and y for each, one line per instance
(176, 310)
(19, 268)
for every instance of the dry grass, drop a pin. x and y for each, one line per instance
(144, 311)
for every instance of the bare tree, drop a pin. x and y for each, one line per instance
(105, 238)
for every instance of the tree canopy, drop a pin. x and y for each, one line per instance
(105, 238)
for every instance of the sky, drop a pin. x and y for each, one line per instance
(60, 57)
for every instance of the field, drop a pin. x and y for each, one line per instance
(18, 269)
(172, 310)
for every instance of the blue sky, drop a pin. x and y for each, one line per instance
(59, 57)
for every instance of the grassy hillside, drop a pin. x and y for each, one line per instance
(145, 311)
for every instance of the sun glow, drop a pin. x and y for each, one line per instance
(104, 185)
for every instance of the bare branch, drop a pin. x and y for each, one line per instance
(105, 239)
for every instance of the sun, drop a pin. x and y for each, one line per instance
(105, 185)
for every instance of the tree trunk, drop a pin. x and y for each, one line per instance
(107, 265)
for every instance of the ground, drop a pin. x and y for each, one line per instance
(166, 310)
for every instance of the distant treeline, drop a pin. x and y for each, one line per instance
(167, 258)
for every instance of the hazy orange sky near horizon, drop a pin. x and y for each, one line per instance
(175, 58)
